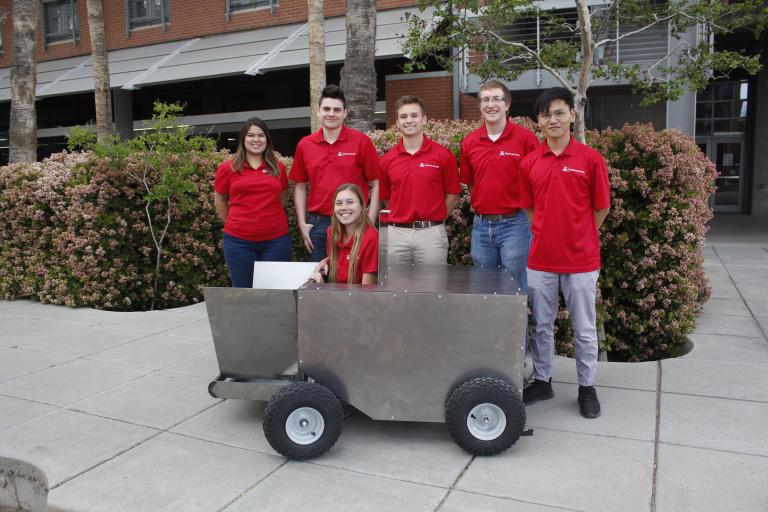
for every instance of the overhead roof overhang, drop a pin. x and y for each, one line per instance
(251, 52)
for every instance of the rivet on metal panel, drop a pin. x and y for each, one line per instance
(439, 296)
(350, 294)
(394, 295)
(485, 297)
(406, 291)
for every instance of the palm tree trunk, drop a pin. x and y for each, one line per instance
(316, 20)
(358, 76)
(23, 122)
(101, 89)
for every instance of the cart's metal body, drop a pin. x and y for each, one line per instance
(395, 351)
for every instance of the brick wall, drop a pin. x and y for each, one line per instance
(187, 19)
(435, 91)
(469, 108)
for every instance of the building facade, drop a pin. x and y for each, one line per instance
(227, 60)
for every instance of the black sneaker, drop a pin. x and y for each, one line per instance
(589, 405)
(537, 390)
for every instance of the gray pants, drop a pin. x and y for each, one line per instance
(406, 246)
(579, 293)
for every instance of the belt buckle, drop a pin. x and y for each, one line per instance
(420, 224)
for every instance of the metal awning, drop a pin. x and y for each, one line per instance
(254, 51)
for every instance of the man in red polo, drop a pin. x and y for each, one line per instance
(420, 183)
(328, 158)
(565, 191)
(490, 159)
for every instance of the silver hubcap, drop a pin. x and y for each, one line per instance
(305, 425)
(486, 421)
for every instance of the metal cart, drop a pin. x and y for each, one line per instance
(428, 343)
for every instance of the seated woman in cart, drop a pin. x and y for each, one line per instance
(353, 242)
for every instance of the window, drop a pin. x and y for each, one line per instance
(145, 13)
(722, 108)
(240, 5)
(60, 20)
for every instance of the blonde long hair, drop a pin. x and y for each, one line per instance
(337, 233)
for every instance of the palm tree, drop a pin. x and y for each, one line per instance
(316, 20)
(101, 89)
(23, 122)
(358, 76)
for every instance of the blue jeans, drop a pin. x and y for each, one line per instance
(503, 243)
(241, 254)
(318, 235)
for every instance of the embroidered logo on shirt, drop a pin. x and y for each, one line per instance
(507, 153)
(341, 153)
(423, 164)
(571, 169)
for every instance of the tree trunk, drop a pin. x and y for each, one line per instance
(23, 122)
(316, 20)
(101, 89)
(585, 71)
(358, 76)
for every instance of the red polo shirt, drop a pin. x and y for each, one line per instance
(255, 210)
(367, 257)
(416, 185)
(492, 167)
(352, 158)
(564, 191)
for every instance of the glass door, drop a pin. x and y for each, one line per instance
(727, 153)
(721, 120)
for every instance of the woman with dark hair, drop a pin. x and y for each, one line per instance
(249, 194)
(353, 242)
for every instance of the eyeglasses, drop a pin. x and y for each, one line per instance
(560, 115)
(492, 99)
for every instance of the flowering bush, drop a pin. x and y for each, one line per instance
(652, 282)
(76, 233)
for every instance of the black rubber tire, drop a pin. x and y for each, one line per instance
(291, 398)
(478, 391)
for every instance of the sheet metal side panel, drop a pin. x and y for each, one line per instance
(254, 331)
(397, 356)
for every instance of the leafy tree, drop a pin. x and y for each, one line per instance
(572, 47)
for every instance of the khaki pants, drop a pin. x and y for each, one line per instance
(406, 246)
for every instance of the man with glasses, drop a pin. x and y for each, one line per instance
(566, 194)
(490, 158)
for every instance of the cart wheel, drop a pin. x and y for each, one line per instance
(485, 415)
(303, 420)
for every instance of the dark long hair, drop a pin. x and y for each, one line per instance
(238, 160)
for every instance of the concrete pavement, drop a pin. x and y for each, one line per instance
(114, 408)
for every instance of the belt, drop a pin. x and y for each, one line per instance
(324, 217)
(498, 217)
(417, 224)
